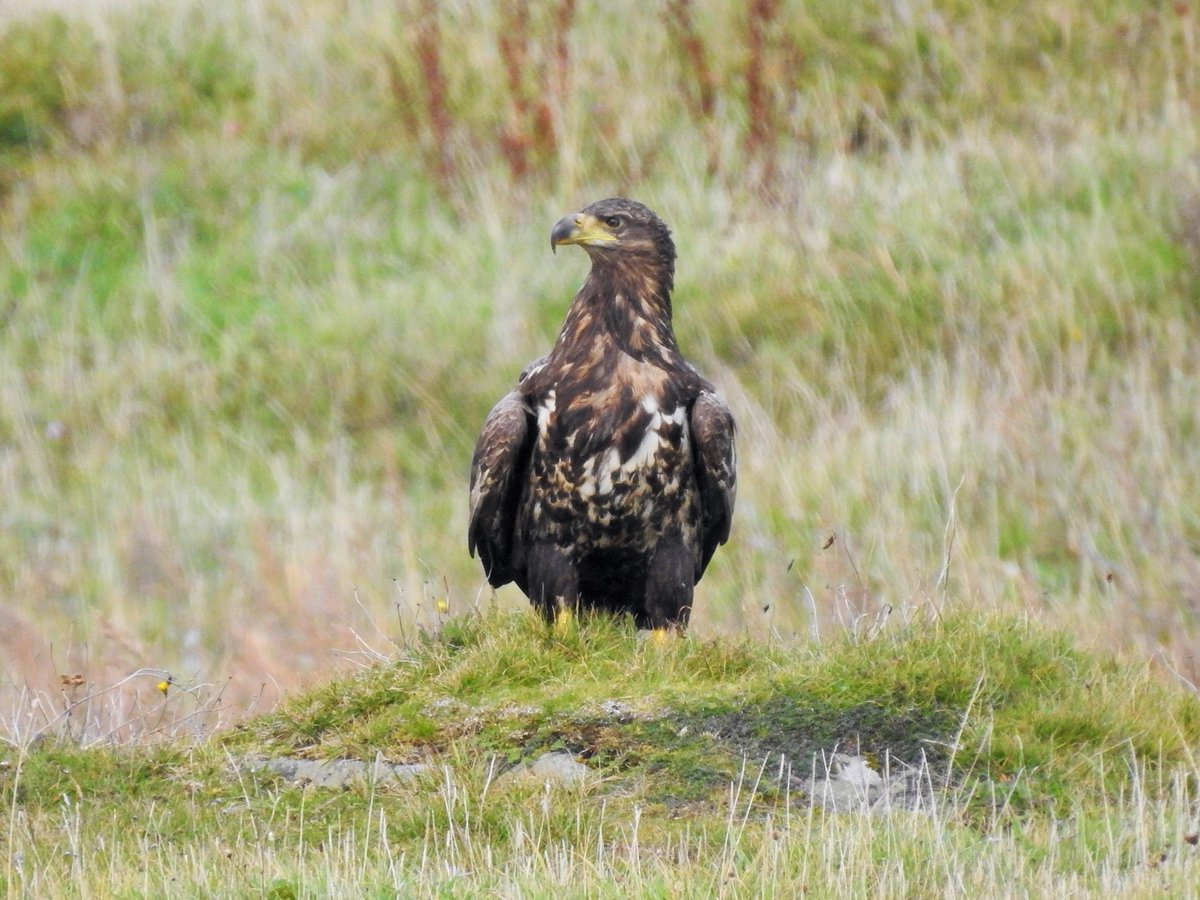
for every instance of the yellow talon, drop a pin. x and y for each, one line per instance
(562, 621)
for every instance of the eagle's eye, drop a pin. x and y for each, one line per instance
(612, 221)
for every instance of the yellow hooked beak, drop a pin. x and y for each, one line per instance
(580, 228)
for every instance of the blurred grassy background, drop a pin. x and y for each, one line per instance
(264, 267)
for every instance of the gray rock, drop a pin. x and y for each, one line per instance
(618, 711)
(556, 768)
(334, 773)
(849, 784)
(854, 770)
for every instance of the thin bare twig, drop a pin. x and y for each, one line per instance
(948, 537)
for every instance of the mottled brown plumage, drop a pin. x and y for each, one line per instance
(606, 479)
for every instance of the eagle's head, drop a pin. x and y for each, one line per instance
(619, 232)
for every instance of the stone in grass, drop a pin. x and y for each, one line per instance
(850, 784)
(338, 774)
(557, 768)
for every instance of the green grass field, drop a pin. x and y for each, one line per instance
(265, 266)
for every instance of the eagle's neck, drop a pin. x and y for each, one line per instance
(623, 305)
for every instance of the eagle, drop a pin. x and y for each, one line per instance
(606, 479)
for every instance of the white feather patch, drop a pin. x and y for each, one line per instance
(545, 411)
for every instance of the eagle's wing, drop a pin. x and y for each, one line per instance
(716, 470)
(498, 471)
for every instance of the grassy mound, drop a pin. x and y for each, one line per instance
(1021, 732)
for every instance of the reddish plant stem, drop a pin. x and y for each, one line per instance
(683, 23)
(758, 105)
(429, 57)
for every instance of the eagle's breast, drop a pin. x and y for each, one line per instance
(645, 456)
(612, 465)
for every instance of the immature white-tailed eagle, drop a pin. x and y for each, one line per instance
(606, 479)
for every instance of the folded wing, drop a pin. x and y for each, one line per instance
(498, 475)
(715, 453)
